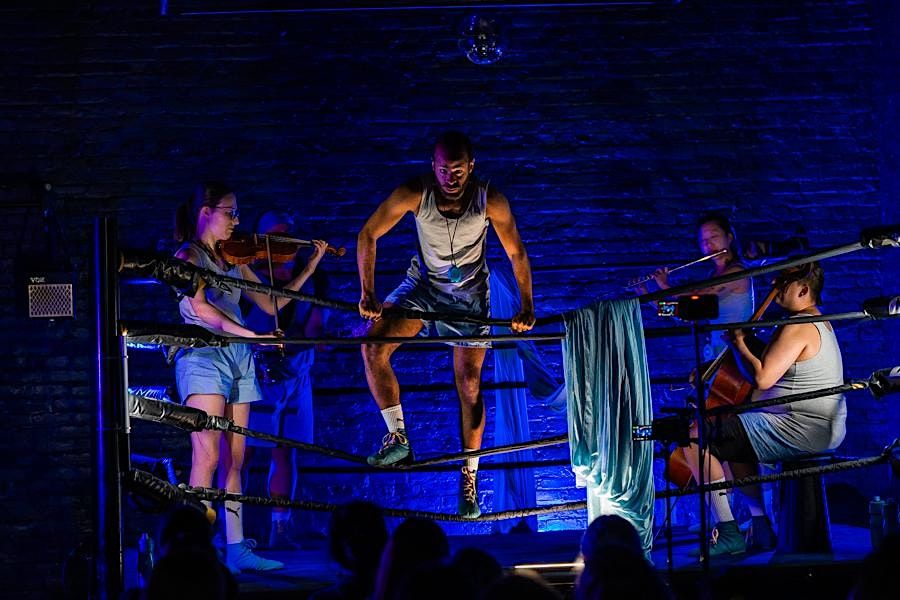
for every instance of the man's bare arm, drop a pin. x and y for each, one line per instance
(403, 200)
(504, 223)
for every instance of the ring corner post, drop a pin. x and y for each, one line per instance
(111, 444)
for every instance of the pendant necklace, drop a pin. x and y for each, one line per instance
(455, 273)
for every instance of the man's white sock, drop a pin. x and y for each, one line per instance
(393, 418)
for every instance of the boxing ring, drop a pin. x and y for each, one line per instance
(117, 406)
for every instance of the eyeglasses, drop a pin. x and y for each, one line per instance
(232, 212)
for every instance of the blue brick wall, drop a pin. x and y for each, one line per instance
(609, 130)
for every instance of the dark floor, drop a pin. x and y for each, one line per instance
(751, 576)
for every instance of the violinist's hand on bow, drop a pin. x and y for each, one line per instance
(370, 307)
(523, 321)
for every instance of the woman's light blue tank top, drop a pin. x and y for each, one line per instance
(225, 301)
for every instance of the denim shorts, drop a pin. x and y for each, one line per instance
(286, 411)
(228, 371)
(415, 295)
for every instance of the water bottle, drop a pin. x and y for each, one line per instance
(146, 560)
(882, 519)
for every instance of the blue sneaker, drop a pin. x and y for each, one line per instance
(726, 540)
(468, 494)
(240, 556)
(395, 450)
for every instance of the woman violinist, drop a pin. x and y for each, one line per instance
(222, 381)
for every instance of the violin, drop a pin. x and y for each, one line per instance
(243, 249)
(728, 387)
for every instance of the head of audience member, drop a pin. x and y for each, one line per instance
(194, 573)
(522, 585)
(185, 527)
(615, 571)
(357, 535)
(610, 530)
(436, 582)
(416, 544)
(477, 567)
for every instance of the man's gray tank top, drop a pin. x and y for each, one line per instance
(469, 238)
(227, 302)
(809, 426)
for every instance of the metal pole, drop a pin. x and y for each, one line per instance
(111, 442)
(701, 448)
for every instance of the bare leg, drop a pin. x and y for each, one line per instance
(249, 452)
(231, 461)
(235, 444)
(377, 359)
(712, 472)
(713, 469)
(205, 444)
(467, 363)
(282, 477)
(752, 492)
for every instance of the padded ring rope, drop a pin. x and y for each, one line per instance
(485, 466)
(194, 336)
(193, 419)
(834, 467)
(221, 495)
(143, 482)
(185, 277)
(437, 460)
(662, 332)
(759, 404)
(762, 270)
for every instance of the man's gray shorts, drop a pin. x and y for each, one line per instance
(416, 295)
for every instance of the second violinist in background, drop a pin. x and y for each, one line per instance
(284, 376)
(714, 233)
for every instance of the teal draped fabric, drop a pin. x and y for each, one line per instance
(608, 389)
(519, 362)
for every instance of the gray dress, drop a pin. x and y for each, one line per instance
(806, 427)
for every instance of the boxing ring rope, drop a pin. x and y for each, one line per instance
(186, 276)
(194, 336)
(194, 419)
(183, 276)
(886, 456)
(161, 489)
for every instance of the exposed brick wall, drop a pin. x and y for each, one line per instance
(610, 130)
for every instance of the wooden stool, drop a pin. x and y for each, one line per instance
(803, 525)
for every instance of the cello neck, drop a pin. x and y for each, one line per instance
(757, 315)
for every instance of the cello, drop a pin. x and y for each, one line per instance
(728, 387)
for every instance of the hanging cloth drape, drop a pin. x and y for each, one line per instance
(519, 362)
(608, 391)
